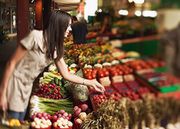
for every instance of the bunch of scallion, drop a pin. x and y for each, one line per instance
(39, 104)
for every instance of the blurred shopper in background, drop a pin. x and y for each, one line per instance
(106, 24)
(35, 52)
(74, 19)
(170, 44)
(131, 10)
(79, 30)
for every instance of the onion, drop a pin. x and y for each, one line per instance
(84, 107)
(82, 116)
(77, 112)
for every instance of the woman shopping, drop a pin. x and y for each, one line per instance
(33, 54)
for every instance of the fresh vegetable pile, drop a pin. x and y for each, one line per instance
(128, 101)
(39, 104)
(125, 113)
(59, 120)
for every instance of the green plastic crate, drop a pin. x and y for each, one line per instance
(171, 88)
(161, 69)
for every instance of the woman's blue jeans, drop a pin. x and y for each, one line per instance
(17, 115)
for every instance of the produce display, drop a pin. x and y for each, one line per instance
(80, 114)
(59, 120)
(125, 113)
(98, 99)
(140, 65)
(14, 124)
(91, 54)
(154, 73)
(164, 82)
(135, 27)
(41, 123)
(131, 99)
(62, 123)
(124, 29)
(51, 85)
(39, 104)
(128, 101)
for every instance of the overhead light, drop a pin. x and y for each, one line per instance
(99, 10)
(149, 13)
(123, 12)
(138, 1)
(130, 1)
(138, 13)
(90, 8)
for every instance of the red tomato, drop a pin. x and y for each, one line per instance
(89, 77)
(101, 74)
(106, 73)
(114, 73)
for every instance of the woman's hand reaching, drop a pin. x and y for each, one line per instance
(94, 85)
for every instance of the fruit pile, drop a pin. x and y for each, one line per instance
(51, 91)
(51, 85)
(163, 82)
(97, 99)
(120, 70)
(14, 122)
(61, 114)
(111, 71)
(110, 74)
(91, 54)
(59, 120)
(112, 93)
(135, 86)
(125, 113)
(139, 64)
(43, 115)
(62, 123)
(125, 91)
(41, 123)
(120, 77)
(80, 114)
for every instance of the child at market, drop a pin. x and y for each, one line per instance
(33, 54)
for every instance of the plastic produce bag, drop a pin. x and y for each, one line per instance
(79, 92)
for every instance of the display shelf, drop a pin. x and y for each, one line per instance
(171, 94)
(129, 40)
(140, 39)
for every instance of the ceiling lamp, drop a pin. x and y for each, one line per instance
(139, 1)
(130, 1)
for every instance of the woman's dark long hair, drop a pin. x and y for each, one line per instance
(54, 32)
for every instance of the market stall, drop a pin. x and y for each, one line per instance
(140, 93)
(135, 97)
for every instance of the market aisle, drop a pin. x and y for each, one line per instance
(6, 50)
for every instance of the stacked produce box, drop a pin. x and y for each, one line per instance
(155, 74)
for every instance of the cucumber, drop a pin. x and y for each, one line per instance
(56, 80)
